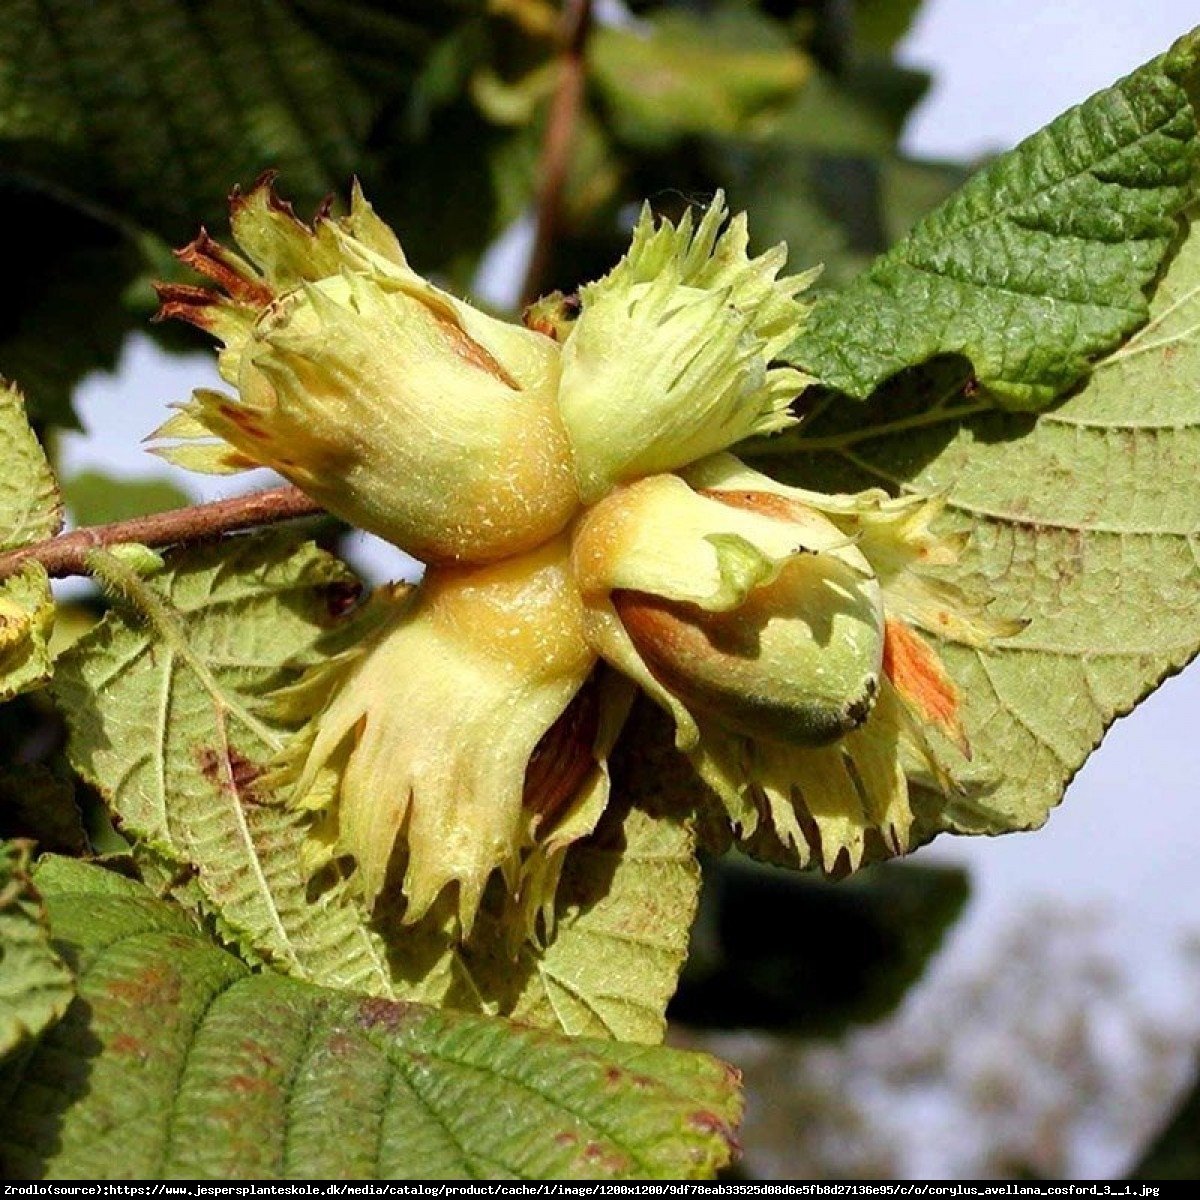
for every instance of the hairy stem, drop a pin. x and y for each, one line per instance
(556, 145)
(68, 553)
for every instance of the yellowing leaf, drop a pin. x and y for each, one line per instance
(26, 623)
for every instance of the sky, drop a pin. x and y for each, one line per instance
(1127, 837)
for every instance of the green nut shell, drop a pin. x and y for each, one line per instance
(798, 662)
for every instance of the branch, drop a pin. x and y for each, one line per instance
(67, 554)
(557, 142)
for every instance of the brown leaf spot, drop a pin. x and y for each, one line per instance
(256, 1050)
(126, 1043)
(342, 1045)
(154, 985)
(230, 771)
(249, 1085)
(632, 1081)
(390, 1015)
(605, 1159)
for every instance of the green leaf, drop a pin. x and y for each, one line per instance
(679, 74)
(96, 498)
(58, 875)
(155, 110)
(832, 955)
(825, 117)
(124, 125)
(783, 190)
(30, 508)
(629, 898)
(167, 720)
(1175, 1152)
(910, 189)
(178, 1062)
(1040, 263)
(35, 984)
(1084, 521)
(624, 912)
(373, 36)
(147, 113)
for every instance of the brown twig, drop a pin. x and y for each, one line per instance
(66, 554)
(557, 142)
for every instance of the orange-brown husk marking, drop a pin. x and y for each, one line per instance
(917, 674)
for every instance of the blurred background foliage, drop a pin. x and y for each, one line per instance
(125, 123)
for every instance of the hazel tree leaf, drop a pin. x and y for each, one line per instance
(880, 24)
(145, 112)
(35, 984)
(1040, 263)
(629, 899)
(30, 510)
(124, 124)
(1084, 520)
(373, 36)
(178, 1062)
(170, 725)
(152, 111)
(30, 506)
(66, 311)
(677, 74)
(624, 912)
